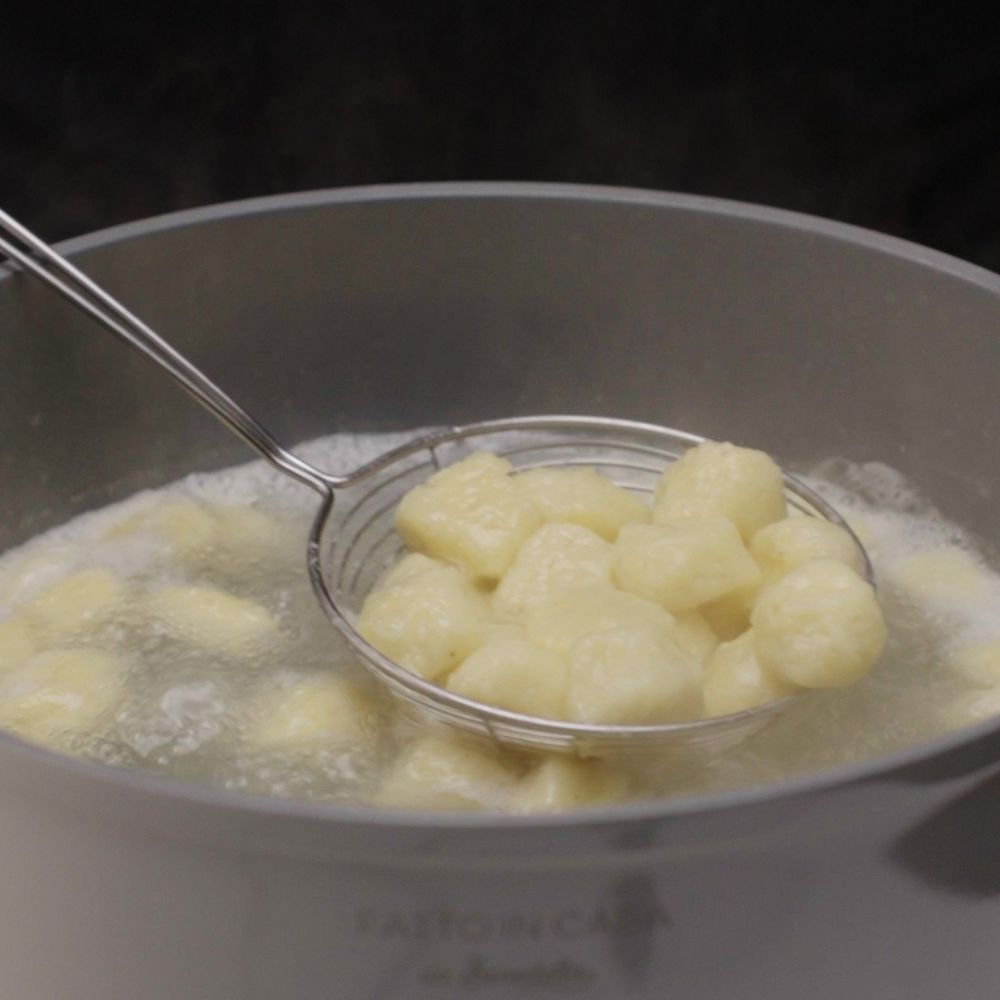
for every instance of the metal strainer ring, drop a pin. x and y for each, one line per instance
(353, 542)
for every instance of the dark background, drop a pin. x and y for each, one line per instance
(886, 115)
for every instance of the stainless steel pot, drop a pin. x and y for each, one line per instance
(404, 306)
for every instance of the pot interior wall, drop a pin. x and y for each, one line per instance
(396, 312)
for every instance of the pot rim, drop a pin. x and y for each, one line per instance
(160, 787)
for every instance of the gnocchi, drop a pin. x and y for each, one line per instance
(945, 575)
(210, 617)
(411, 565)
(514, 674)
(187, 528)
(247, 533)
(555, 559)
(32, 571)
(583, 497)
(439, 772)
(631, 676)
(735, 680)
(559, 783)
(429, 620)
(785, 545)
(323, 708)
(717, 479)
(17, 643)
(60, 692)
(560, 622)
(684, 564)
(729, 616)
(470, 514)
(598, 613)
(694, 635)
(819, 626)
(80, 601)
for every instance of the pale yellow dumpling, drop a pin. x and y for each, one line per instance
(411, 565)
(946, 575)
(820, 626)
(716, 479)
(514, 674)
(187, 527)
(60, 692)
(320, 709)
(785, 545)
(556, 558)
(729, 616)
(17, 643)
(582, 496)
(683, 564)
(30, 572)
(979, 663)
(470, 514)
(78, 602)
(428, 621)
(440, 772)
(210, 617)
(496, 631)
(622, 631)
(631, 676)
(694, 635)
(560, 622)
(559, 783)
(247, 533)
(735, 681)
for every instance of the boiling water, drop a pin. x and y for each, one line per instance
(193, 714)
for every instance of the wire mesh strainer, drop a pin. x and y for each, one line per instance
(352, 539)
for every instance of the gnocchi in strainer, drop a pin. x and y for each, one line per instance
(557, 593)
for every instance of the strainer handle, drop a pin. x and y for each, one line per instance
(38, 258)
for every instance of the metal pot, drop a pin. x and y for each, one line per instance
(406, 306)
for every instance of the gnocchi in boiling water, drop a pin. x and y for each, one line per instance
(176, 632)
